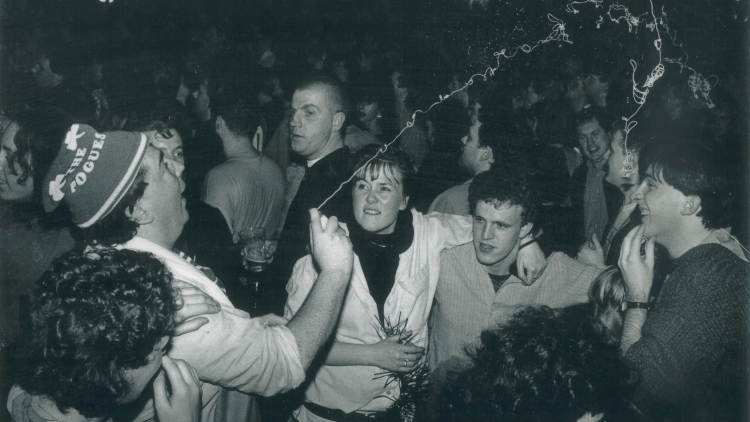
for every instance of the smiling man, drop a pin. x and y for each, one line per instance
(690, 345)
(317, 125)
(478, 287)
(595, 201)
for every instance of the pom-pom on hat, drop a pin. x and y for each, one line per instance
(92, 171)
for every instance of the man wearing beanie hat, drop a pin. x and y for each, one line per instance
(125, 193)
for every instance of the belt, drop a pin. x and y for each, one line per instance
(336, 415)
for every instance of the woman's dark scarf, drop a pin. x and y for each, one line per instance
(379, 255)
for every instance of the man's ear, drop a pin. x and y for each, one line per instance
(220, 124)
(691, 205)
(139, 215)
(404, 204)
(487, 155)
(338, 121)
(258, 138)
(525, 230)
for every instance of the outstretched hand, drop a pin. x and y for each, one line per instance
(390, 355)
(184, 404)
(637, 270)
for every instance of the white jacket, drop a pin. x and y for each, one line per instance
(352, 388)
(232, 351)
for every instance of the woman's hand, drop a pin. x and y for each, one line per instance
(388, 354)
(272, 320)
(591, 253)
(531, 263)
(637, 270)
(191, 302)
(184, 404)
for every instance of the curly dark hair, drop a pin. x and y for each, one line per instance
(116, 227)
(95, 315)
(543, 365)
(506, 182)
(394, 162)
(40, 133)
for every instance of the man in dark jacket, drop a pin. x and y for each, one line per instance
(319, 107)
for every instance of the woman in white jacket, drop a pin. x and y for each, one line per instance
(396, 268)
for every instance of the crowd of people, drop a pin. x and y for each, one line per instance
(186, 235)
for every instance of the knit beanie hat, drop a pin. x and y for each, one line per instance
(92, 171)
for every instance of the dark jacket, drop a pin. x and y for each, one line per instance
(319, 182)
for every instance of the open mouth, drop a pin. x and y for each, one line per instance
(485, 248)
(371, 212)
(644, 211)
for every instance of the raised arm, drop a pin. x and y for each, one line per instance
(317, 317)
(638, 273)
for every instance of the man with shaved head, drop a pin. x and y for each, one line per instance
(317, 126)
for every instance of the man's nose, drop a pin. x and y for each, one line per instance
(294, 122)
(638, 194)
(175, 167)
(487, 232)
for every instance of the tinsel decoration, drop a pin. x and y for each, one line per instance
(414, 385)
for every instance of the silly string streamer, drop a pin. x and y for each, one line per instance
(617, 13)
(557, 34)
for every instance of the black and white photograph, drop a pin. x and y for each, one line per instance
(374, 211)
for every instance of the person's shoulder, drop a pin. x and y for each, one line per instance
(452, 199)
(560, 260)
(463, 254)
(714, 256)
(221, 171)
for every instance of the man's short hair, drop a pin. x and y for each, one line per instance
(598, 114)
(117, 227)
(693, 169)
(160, 116)
(95, 315)
(505, 183)
(334, 88)
(239, 114)
(543, 365)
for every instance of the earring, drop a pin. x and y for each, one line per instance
(379, 116)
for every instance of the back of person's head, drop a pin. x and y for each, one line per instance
(240, 114)
(337, 95)
(160, 116)
(543, 365)
(395, 164)
(506, 183)
(693, 169)
(502, 129)
(450, 123)
(96, 315)
(606, 294)
(504, 137)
